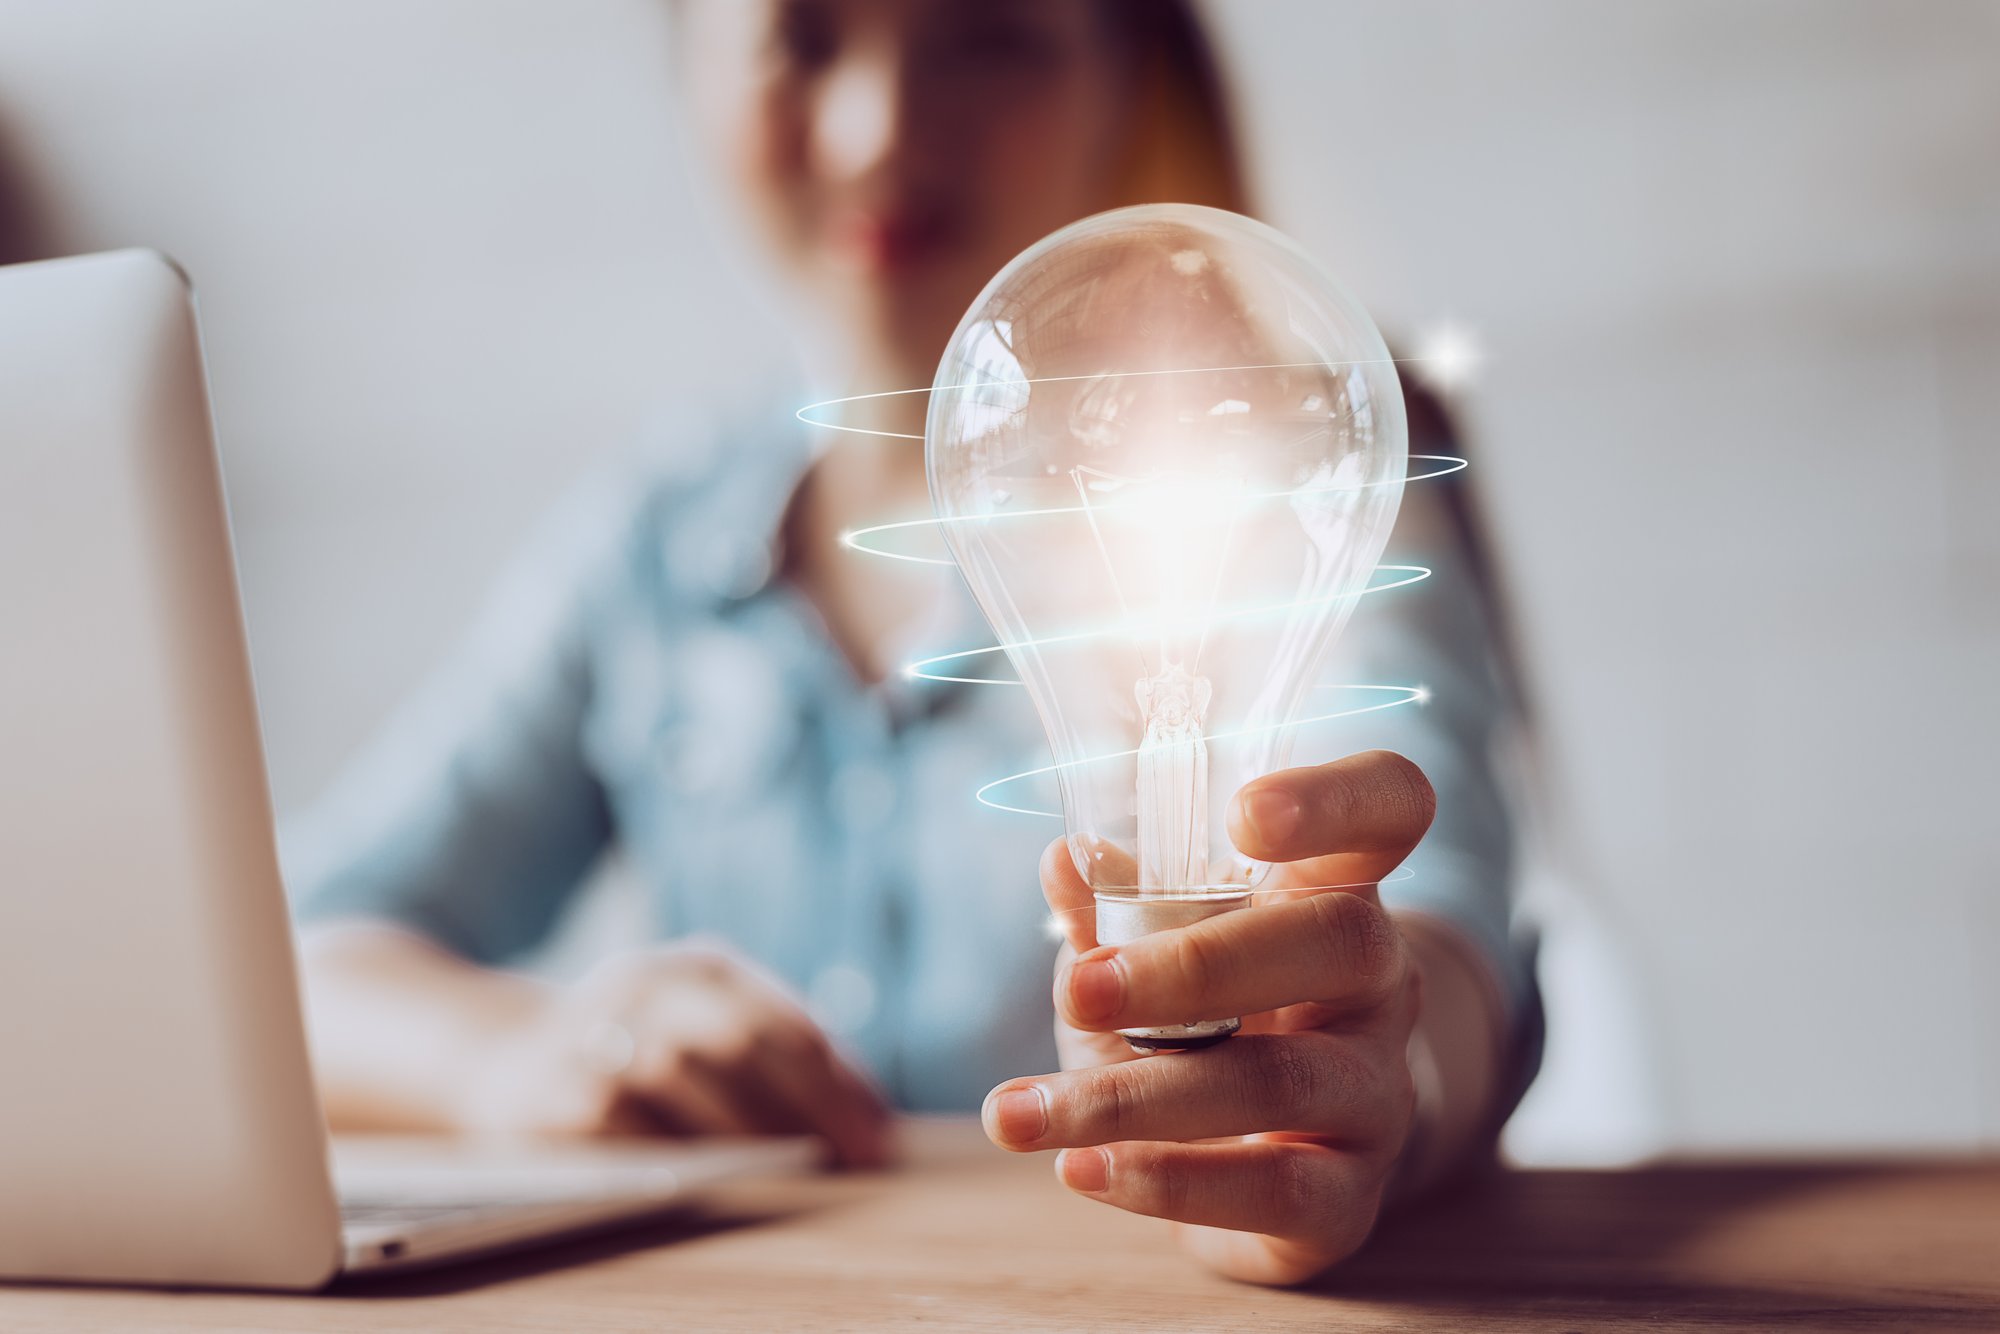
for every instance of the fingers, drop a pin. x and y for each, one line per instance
(695, 1099)
(1369, 810)
(1351, 1088)
(1334, 949)
(768, 1086)
(796, 1071)
(852, 1115)
(732, 1054)
(1287, 1209)
(1071, 904)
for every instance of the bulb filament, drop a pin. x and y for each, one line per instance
(1173, 781)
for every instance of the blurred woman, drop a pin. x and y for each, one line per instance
(689, 667)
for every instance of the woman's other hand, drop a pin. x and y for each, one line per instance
(686, 1039)
(1273, 1148)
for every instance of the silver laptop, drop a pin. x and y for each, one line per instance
(158, 1122)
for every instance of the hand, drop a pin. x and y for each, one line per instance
(686, 1040)
(1273, 1148)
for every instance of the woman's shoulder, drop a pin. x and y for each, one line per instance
(726, 454)
(690, 508)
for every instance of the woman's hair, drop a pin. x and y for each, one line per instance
(22, 233)
(1185, 149)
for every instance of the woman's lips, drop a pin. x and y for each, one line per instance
(894, 240)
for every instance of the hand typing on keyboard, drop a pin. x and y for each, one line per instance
(684, 1040)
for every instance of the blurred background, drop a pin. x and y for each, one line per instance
(1731, 270)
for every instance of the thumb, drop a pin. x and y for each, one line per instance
(1072, 906)
(1074, 909)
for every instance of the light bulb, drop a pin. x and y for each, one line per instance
(1166, 451)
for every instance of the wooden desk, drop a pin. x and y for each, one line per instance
(969, 1237)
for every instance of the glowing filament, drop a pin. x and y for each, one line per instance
(1173, 782)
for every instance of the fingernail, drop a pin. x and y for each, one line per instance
(1085, 1170)
(1274, 813)
(1021, 1116)
(1096, 988)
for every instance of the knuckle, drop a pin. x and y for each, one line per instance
(1106, 1105)
(598, 1107)
(1306, 1196)
(1285, 1084)
(703, 958)
(691, 962)
(1169, 1183)
(674, 1064)
(726, 1049)
(1349, 1072)
(1362, 942)
(1288, 1192)
(808, 1044)
(1199, 960)
(775, 1046)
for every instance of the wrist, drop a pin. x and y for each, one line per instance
(493, 1042)
(1456, 1057)
(1424, 1158)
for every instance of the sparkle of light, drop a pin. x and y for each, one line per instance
(1449, 357)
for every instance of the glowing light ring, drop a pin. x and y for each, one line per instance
(920, 670)
(801, 414)
(1404, 695)
(855, 539)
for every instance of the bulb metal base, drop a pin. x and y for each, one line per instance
(1124, 916)
(1179, 1037)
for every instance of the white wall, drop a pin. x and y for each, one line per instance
(1737, 269)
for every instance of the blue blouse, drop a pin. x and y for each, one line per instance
(643, 677)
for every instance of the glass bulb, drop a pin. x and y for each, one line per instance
(1166, 451)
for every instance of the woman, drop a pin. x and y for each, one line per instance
(690, 666)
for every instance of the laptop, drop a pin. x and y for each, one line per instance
(158, 1121)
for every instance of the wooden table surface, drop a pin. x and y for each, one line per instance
(967, 1237)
